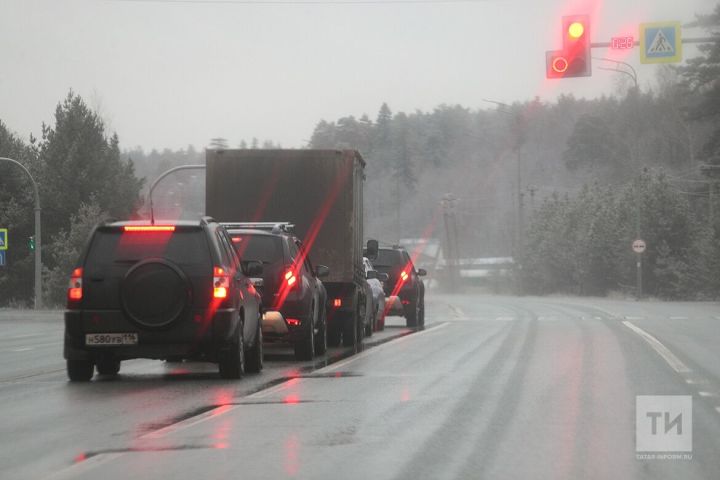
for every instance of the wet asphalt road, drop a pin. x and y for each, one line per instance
(495, 387)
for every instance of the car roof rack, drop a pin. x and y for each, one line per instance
(273, 227)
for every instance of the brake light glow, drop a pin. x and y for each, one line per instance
(290, 278)
(75, 291)
(221, 283)
(337, 303)
(149, 228)
(236, 239)
(403, 276)
(294, 322)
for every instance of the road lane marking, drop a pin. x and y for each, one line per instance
(717, 409)
(692, 381)
(679, 318)
(24, 349)
(505, 319)
(707, 394)
(630, 317)
(457, 311)
(674, 362)
(364, 354)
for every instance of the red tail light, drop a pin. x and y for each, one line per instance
(149, 228)
(293, 322)
(221, 283)
(337, 303)
(75, 291)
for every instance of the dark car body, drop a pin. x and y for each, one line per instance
(404, 288)
(291, 285)
(170, 291)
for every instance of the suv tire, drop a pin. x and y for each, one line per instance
(254, 355)
(305, 347)
(108, 366)
(232, 361)
(321, 340)
(412, 314)
(79, 370)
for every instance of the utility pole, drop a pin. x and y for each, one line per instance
(448, 203)
(712, 171)
(38, 239)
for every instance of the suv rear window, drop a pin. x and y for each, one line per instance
(183, 247)
(263, 248)
(389, 258)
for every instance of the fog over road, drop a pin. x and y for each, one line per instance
(494, 387)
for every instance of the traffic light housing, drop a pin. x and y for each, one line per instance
(574, 59)
(31, 243)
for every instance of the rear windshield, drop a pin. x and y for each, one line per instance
(389, 258)
(263, 248)
(183, 247)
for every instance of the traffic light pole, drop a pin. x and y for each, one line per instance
(38, 239)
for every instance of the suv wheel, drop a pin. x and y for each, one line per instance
(334, 331)
(412, 312)
(321, 340)
(232, 361)
(370, 327)
(254, 355)
(108, 366)
(79, 370)
(305, 347)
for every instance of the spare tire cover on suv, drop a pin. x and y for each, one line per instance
(155, 292)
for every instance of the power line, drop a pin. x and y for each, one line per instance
(305, 2)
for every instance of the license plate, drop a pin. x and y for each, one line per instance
(111, 339)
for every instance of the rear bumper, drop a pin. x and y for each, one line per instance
(192, 337)
(276, 329)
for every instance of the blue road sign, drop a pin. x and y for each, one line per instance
(3, 238)
(660, 42)
(2, 258)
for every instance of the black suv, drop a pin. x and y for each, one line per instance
(293, 295)
(170, 291)
(404, 289)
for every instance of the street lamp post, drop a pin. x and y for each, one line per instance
(38, 238)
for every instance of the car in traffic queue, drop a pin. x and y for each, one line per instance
(404, 290)
(294, 298)
(162, 291)
(375, 279)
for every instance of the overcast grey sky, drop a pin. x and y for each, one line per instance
(169, 74)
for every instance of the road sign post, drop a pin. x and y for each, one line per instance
(638, 247)
(2, 258)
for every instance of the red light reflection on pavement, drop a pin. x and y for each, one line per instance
(291, 399)
(81, 457)
(405, 395)
(572, 360)
(292, 457)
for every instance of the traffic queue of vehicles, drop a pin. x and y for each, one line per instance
(218, 288)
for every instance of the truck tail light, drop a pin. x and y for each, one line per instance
(221, 283)
(337, 303)
(75, 291)
(294, 322)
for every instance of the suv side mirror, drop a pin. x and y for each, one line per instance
(383, 277)
(372, 249)
(252, 268)
(321, 271)
(421, 272)
(371, 274)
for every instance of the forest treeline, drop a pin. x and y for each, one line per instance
(594, 174)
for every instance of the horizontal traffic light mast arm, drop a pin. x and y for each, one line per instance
(684, 40)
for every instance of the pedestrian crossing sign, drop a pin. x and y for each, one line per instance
(3, 238)
(660, 42)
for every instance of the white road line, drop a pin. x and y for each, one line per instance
(692, 381)
(505, 319)
(24, 349)
(717, 409)
(679, 318)
(630, 317)
(674, 362)
(707, 394)
(335, 366)
(457, 311)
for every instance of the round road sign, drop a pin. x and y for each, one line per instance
(638, 246)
